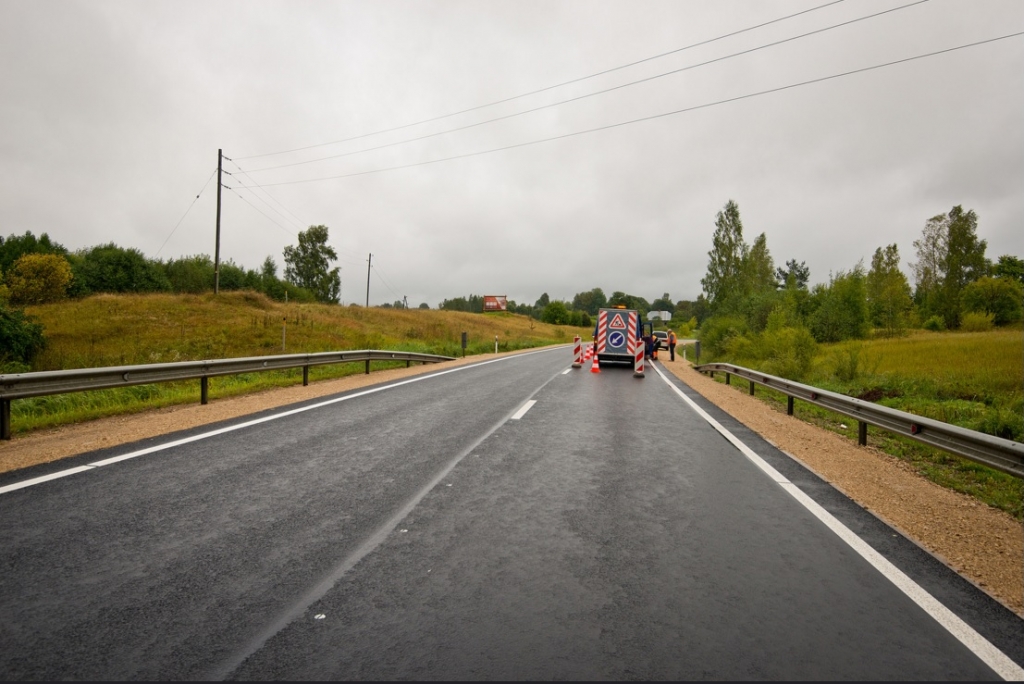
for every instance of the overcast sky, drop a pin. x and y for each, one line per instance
(111, 115)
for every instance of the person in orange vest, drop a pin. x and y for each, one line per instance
(672, 345)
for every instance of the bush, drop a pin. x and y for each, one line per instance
(977, 322)
(1000, 297)
(109, 268)
(935, 324)
(21, 338)
(716, 332)
(38, 279)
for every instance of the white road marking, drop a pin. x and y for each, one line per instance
(522, 411)
(241, 426)
(977, 644)
(567, 371)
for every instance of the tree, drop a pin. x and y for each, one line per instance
(308, 265)
(888, 291)
(590, 301)
(841, 308)
(1000, 297)
(424, 305)
(109, 268)
(949, 256)
(758, 268)
(1009, 267)
(191, 274)
(17, 246)
(793, 275)
(965, 262)
(664, 303)
(725, 264)
(38, 279)
(556, 313)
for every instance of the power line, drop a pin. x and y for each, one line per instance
(300, 222)
(550, 87)
(707, 105)
(186, 212)
(258, 209)
(595, 93)
(384, 280)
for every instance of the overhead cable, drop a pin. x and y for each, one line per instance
(706, 105)
(173, 230)
(597, 92)
(550, 87)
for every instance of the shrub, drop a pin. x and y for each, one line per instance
(21, 338)
(977, 322)
(715, 333)
(1000, 297)
(935, 324)
(38, 279)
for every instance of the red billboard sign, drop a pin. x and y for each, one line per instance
(495, 303)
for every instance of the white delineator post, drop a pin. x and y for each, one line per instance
(577, 353)
(638, 360)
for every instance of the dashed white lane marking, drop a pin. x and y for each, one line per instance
(567, 371)
(522, 411)
(979, 645)
(241, 426)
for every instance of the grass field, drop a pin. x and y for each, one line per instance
(113, 330)
(974, 380)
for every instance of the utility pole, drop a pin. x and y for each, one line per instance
(369, 262)
(216, 250)
(405, 301)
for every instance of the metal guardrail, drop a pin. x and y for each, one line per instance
(995, 452)
(24, 385)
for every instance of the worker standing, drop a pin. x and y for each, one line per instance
(671, 345)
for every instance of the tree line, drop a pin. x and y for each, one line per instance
(38, 270)
(751, 310)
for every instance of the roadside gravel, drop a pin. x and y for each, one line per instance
(981, 543)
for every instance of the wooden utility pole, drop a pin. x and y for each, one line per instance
(216, 249)
(369, 262)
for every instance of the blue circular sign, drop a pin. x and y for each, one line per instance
(616, 339)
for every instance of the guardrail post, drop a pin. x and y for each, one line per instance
(408, 362)
(862, 433)
(751, 388)
(305, 375)
(367, 366)
(204, 390)
(5, 419)
(789, 406)
(728, 378)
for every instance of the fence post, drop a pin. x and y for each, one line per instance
(5, 419)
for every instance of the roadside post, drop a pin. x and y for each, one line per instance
(463, 344)
(495, 344)
(577, 352)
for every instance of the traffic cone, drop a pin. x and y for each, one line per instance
(596, 367)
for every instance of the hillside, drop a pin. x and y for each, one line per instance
(111, 330)
(108, 330)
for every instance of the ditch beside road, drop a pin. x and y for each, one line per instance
(981, 543)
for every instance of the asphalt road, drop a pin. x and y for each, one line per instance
(421, 531)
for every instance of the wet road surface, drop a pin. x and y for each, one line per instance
(422, 532)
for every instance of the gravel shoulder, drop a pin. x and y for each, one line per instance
(981, 543)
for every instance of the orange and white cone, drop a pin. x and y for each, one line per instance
(596, 367)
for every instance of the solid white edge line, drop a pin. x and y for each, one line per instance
(241, 426)
(523, 409)
(1002, 664)
(44, 478)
